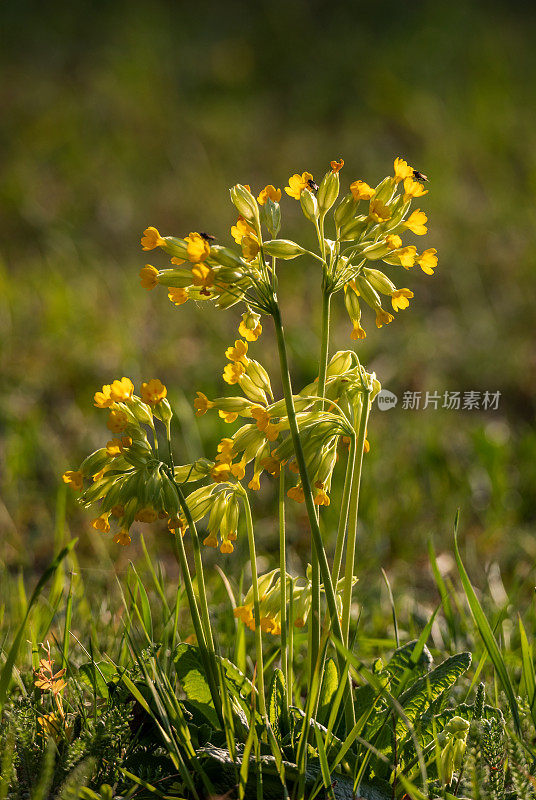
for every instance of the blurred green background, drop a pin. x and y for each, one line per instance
(118, 115)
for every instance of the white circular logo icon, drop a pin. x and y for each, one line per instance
(386, 400)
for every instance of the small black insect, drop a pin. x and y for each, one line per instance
(312, 185)
(207, 236)
(418, 176)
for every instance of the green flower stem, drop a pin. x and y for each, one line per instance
(255, 586)
(343, 517)
(283, 578)
(308, 495)
(352, 514)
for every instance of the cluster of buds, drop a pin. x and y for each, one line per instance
(221, 503)
(126, 478)
(453, 741)
(53, 724)
(298, 592)
(266, 442)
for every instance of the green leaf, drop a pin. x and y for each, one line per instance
(276, 704)
(487, 636)
(405, 658)
(330, 684)
(98, 674)
(189, 670)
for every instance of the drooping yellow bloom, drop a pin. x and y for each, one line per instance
(228, 416)
(203, 276)
(269, 192)
(202, 404)
(241, 229)
(153, 391)
(197, 247)
(178, 296)
(226, 547)
(321, 498)
(225, 449)
(233, 372)
(296, 493)
(149, 277)
(114, 447)
(383, 317)
(378, 211)
(220, 473)
(250, 247)
(117, 511)
(73, 478)
(416, 222)
(251, 334)
(101, 523)
(211, 540)
(146, 515)
(407, 256)
(261, 416)
(151, 239)
(428, 260)
(117, 421)
(336, 166)
(238, 352)
(245, 614)
(255, 482)
(413, 188)
(122, 537)
(400, 298)
(103, 399)
(121, 390)
(358, 332)
(361, 191)
(393, 241)
(402, 170)
(239, 469)
(297, 183)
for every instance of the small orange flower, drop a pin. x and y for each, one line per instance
(197, 247)
(117, 421)
(153, 391)
(148, 277)
(122, 537)
(297, 183)
(378, 211)
(402, 170)
(358, 332)
(75, 479)
(362, 191)
(151, 239)
(103, 399)
(383, 317)
(428, 260)
(202, 404)
(203, 276)
(413, 188)
(121, 390)
(269, 192)
(178, 296)
(336, 166)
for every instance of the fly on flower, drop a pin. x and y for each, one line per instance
(418, 176)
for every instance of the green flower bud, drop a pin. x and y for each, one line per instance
(225, 256)
(244, 202)
(94, 462)
(271, 216)
(385, 190)
(345, 211)
(170, 497)
(353, 228)
(341, 362)
(309, 205)
(141, 412)
(178, 278)
(251, 390)
(283, 248)
(369, 295)
(175, 247)
(328, 191)
(378, 280)
(232, 404)
(259, 376)
(457, 725)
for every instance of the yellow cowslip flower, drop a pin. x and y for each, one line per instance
(271, 465)
(203, 276)
(178, 296)
(122, 537)
(402, 170)
(297, 183)
(98, 475)
(151, 239)
(378, 211)
(197, 247)
(245, 614)
(270, 625)
(117, 421)
(177, 524)
(416, 222)
(255, 482)
(233, 372)
(241, 229)
(400, 298)
(239, 469)
(269, 192)
(358, 332)
(117, 511)
(121, 390)
(383, 317)
(261, 416)
(228, 416)
(407, 256)
(74, 478)
(428, 260)
(226, 547)
(251, 334)
(220, 473)
(250, 247)
(101, 523)
(202, 404)
(362, 191)
(210, 540)
(148, 276)
(393, 241)
(296, 493)
(114, 447)
(336, 166)
(153, 391)
(103, 399)
(225, 448)
(146, 515)
(272, 431)
(321, 497)
(238, 352)
(413, 188)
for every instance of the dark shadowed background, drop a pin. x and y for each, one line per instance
(119, 115)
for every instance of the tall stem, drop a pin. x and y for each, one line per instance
(352, 514)
(343, 516)
(283, 579)
(255, 586)
(306, 485)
